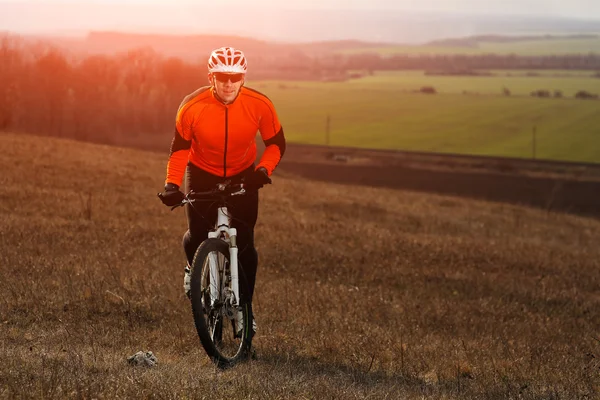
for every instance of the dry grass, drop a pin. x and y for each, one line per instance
(361, 293)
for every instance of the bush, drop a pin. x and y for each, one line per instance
(582, 94)
(428, 90)
(540, 93)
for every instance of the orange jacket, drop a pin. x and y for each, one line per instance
(220, 139)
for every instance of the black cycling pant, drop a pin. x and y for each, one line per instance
(202, 216)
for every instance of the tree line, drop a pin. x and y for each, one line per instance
(97, 98)
(463, 62)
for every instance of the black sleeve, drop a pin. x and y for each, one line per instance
(179, 143)
(277, 140)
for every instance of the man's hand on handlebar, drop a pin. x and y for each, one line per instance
(257, 178)
(171, 196)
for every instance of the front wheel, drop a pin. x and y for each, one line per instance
(224, 331)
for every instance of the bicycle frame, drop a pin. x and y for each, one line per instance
(229, 235)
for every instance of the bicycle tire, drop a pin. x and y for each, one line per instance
(202, 316)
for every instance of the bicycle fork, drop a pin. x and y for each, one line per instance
(231, 239)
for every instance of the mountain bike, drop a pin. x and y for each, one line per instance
(222, 316)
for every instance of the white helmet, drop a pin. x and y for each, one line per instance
(228, 60)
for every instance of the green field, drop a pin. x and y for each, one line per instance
(381, 111)
(522, 47)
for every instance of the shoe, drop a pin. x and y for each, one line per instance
(187, 279)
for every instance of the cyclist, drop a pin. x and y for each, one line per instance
(214, 138)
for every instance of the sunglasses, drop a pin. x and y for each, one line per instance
(223, 77)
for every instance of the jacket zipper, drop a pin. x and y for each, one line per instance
(226, 137)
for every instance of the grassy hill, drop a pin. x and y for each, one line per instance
(196, 48)
(361, 292)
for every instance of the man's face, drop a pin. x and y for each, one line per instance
(226, 85)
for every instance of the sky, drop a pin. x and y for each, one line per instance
(406, 21)
(587, 9)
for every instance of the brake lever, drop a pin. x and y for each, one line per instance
(239, 192)
(183, 203)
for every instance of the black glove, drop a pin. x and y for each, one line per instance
(258, 178)
(171, 196)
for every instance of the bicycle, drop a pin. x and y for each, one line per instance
(215, 284)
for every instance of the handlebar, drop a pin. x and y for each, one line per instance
(221, 191)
